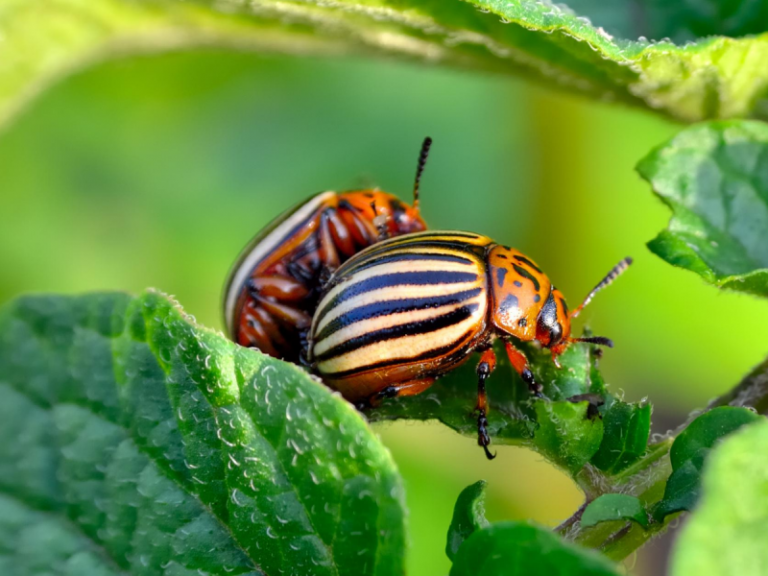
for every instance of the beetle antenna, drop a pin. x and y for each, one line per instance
(599, 340)
(420, 169)
(615, 272)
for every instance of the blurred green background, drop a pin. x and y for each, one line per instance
(156, 171)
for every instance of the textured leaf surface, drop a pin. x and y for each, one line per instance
(134, 442)
(627, 429)
(726, 533)
(712, 77)
(680, 21)
(571, 434)
(566, 432)
(689, 451)
(714, 178)
(468, 517)
(518, 549)
(609, 507)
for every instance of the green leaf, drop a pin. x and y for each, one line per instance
(468, 517)
(725, 535)
(689, 451)
(713, 77)
(570, 434)
(700, 436)
(134, 442)
(563, 431)
(627, 429)
(714, 178)
(518, 549)
(610, 507)
(680, 21)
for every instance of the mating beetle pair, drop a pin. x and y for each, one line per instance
(404, 311)
(273, 287)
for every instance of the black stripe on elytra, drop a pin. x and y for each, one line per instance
(406, 256)
(387, 307)
(524, 260)
(455, 355)
(397, 279)
(525, 274)
(408, 329)
(416, 242)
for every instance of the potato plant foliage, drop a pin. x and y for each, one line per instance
(135, 442)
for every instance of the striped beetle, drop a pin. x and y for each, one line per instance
(273, 287)
(403, 312)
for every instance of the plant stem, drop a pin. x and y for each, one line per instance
(647, 478)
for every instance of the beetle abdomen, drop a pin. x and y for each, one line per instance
(403, 309)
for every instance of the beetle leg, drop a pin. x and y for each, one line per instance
(281, 312)
(410, 388)
(342, 239)
(300, 272)
(271, 327)
(484, 369)
(252, 331)
(520, 364)
(328, 253)
(278, 287)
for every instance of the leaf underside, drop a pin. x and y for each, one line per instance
(134, 442)
(714, 178)
(713, 77)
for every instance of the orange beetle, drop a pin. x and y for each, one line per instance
(403, 312)
(273, 287)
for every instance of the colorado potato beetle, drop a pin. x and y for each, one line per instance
(272, 289)
(403, 312)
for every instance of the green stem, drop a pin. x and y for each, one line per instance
(647, 478)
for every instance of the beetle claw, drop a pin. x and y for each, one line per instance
(488, 452)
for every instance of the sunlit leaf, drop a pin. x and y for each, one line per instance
(43, 40)
(725, 535)
(714, 178)
(134, 442)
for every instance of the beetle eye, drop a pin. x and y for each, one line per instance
(555, 333)
(548, 324)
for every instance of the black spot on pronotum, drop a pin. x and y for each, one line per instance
(509, 303)
(501, 273)
(523, 322)
(537, 298)
(518, 283)
(525, 274)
